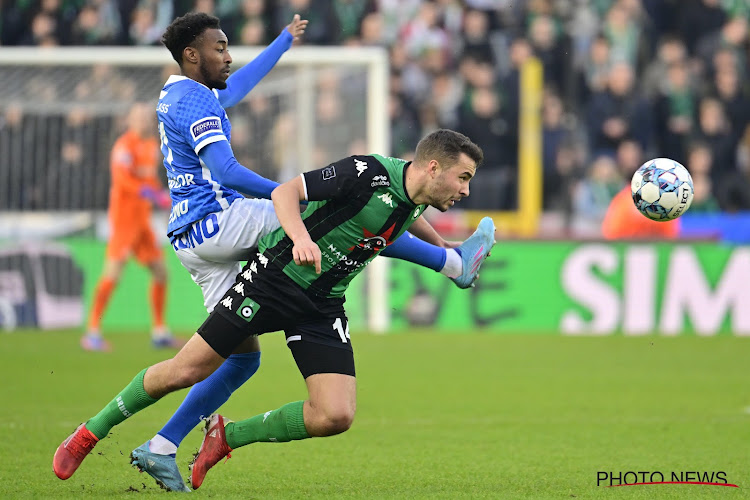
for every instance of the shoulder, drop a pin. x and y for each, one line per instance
(361, 167)
(188, 94)
(393, 167)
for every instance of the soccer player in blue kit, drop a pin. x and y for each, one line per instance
(212, 226)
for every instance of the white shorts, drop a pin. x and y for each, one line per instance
(213, 248)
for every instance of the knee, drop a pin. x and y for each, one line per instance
(187, 376)
(159, 274)
(338, 421)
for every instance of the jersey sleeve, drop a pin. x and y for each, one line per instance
(199, 119)
(346, 178)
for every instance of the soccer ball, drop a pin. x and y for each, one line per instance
(662, 189)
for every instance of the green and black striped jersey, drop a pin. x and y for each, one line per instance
(357, 206)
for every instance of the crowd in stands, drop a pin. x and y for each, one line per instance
(625, 80)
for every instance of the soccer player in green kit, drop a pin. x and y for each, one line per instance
(296, 282)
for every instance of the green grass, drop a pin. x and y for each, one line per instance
(439, 416)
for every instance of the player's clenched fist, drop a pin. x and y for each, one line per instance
(307, 253)
(297, 27)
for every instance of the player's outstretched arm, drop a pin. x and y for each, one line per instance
(227, 171)
(286, 199)
(244, 79)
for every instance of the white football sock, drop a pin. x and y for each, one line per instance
(162, 446)
(453, 265)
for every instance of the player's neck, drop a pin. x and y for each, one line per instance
(415, 184)
(195, 75)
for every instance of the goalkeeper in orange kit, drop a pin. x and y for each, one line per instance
(135, 188)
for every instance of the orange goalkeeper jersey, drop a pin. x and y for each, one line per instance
(624, 221)
(133, 164)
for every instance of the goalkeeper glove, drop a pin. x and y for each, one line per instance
(158, 197)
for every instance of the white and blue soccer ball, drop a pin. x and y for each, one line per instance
(662, 189)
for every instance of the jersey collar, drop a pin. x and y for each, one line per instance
(179, 78)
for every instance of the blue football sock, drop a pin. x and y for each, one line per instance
(410, 248)
(207, 396)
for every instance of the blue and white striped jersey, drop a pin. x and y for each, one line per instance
(190, 117)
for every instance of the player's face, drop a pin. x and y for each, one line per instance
(214, 59)
(451, 183)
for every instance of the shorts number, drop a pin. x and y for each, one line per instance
(338, 325)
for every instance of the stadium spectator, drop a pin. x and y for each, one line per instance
(671, 50)
(623, 33)
(731, 37)
(674, 112)
(594, 193)
(698, 18)
(135, 187)
(475, 37)
(318, 12)
(554, 133)
(485, 121)
(734, 98)
(597, 65)
(618, 112)
(714, 129)
(553, 49)
(699, 163)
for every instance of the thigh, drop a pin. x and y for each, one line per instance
(214, 278)
(122, 240)
(146, 249)
(261, 299)
(237, 230)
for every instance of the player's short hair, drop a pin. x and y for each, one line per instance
(447, 144)
(185, 32)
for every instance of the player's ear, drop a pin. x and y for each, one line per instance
(190, 54)
(433, 168)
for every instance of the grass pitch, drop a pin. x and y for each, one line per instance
(439, 416)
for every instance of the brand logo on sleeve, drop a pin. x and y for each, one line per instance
(361, 166)
(380, 180)
(205, 126)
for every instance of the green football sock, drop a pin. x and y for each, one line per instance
(130, 400)
(277, 426)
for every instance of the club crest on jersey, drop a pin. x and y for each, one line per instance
(372, 241)
(248, 309)
(329, 172)
(205, 126)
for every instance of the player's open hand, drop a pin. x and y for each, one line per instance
(307, 253)
(297, 27)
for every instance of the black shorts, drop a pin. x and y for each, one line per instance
(263, 299)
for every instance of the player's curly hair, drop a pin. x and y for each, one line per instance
(186, 30)
(447, 144)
